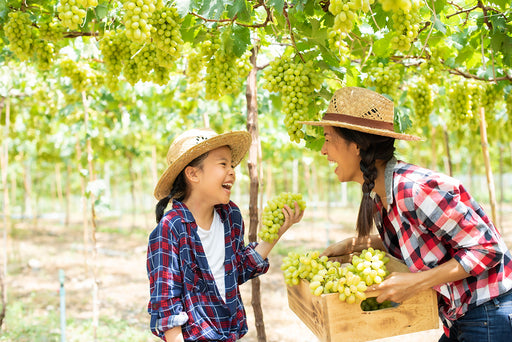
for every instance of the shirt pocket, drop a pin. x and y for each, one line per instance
(193, 279)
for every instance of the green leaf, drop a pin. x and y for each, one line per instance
(502, 3)
(439, 6)
(278, 5)
(183, 6)
(464, 54)
(381, 46)
(439, 25)
(241, 36)
(101, 11)
(241, 10)
(314, 143)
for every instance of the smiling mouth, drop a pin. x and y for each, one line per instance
(227, 186)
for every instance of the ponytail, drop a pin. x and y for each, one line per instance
(371, 148)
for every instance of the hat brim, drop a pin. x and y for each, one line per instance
(238, 141)
(363, 129)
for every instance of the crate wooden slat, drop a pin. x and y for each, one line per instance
(332, 320)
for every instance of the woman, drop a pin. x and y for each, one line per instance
(425, 218)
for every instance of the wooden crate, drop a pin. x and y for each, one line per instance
(332, 320)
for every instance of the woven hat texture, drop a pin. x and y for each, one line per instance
(192, 144)
(362, 110)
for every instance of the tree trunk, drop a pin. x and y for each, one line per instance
(502, 189)
(132, 187)
(68, 194)
(487, 160)
(252, 163)
(433, 153)
(58, 185)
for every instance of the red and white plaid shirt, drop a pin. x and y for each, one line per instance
(431, 219)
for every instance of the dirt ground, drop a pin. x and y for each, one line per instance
(36, 253)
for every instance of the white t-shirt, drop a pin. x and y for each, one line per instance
(215, 250)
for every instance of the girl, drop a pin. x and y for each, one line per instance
(425, 218)
(196, 254)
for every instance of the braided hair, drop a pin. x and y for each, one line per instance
(179, 188)
(371, 148)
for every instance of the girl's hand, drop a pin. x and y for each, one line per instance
(290, 217)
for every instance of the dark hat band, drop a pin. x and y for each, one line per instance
(358, 121)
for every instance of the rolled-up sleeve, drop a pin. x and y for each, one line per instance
(252, 263)
(456, 223)
(165, 306)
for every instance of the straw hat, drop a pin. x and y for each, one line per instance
(192, 144)
(362, 110)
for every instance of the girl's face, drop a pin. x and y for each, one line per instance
(345, 154)
(216, 176)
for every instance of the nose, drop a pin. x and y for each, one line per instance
(323, 150)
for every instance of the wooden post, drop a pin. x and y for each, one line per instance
(487, 161)
(4, 163)
(252, 163)
(448, 155)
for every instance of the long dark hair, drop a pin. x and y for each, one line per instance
(179, 187)
(371, 148)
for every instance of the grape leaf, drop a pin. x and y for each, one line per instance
(239, 9)
(277, 4)
(183, 7)
(241, 36)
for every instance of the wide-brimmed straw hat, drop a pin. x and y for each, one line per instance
(362, 110)
(192, 144)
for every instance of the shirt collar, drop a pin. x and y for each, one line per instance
(388, 180)
(187, 216)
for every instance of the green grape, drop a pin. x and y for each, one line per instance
(460, 100)
(88, 3)
(395, 5)
(225, 73)
(272, 217)
(143, 61)
(44, 54)
(406, 24)
(336, 41)
(115, 50)
(345, 13)
(21, 35)
(385, 78)
(71, 13)
(137, 19)
(350, 282)
(165, 31)
(296, 82)
(81, 76)
(421, 94)
(432, 71)
(160, 75)
(51, 31)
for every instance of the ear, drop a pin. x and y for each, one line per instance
(355, 148)
(191, 173)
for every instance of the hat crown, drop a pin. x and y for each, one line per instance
(361, 103)
(186, 141)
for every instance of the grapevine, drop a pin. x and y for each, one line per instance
(20, 33)
(325, 276)
(296, 82)
(272, 217)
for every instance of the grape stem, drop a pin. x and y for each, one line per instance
(292, 37)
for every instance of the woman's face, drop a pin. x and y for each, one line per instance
(345, 154)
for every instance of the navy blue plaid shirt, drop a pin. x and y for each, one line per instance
(182, 287)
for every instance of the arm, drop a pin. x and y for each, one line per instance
(174, 335)
(398, 287)
(353, 244)
(290, 218)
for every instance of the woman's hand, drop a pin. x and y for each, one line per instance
(397, 287)
(290, 217)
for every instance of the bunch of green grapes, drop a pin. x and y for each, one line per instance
(421, 94)
(71, 13)
(385, 78)
(336, 41)
(326, 276)
(51, 31)
(432, 71)
(296, 82)
(394, 5)
(115, 49)
(165, 31)
(491, 95)
(20, 33)
(137, 19)
(460, 100)
(225, 73)
(406, 25)
(344, 12)
(82, 78)
(88, 3)
(144, 60)
(508, 105)
(272, 217)
(44, 53)
(371, 304)
(160, 75)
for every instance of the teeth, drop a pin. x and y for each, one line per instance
(227, 185)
